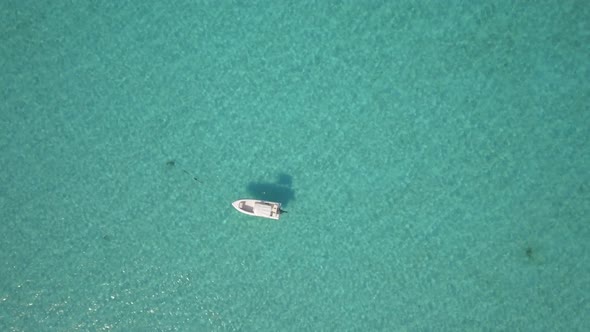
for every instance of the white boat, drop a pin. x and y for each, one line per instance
(259, 208)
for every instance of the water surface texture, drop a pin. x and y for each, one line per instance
(433, 158)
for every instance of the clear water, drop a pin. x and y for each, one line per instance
(432, 156)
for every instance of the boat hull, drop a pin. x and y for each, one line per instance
(258, 208)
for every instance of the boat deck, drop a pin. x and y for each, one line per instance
(259, 208)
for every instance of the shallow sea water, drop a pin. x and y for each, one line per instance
(432, 156)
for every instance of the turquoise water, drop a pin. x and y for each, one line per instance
(432, 156)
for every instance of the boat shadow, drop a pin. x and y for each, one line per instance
(279, 191)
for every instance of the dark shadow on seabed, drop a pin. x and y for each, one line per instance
(280, 191)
